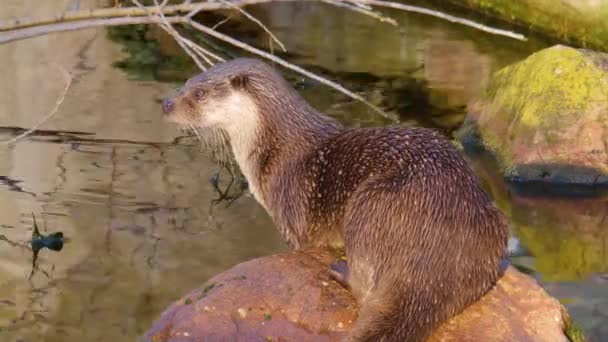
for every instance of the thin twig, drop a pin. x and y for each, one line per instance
(259, 23)
(13, 24)
(186, 43)
(30, 32)
(444, 16)
(202, 51)
(183, 42)
(288, 65)
(68, 83)
(361, 9)
(220, 23)
(194, 12)
(166, 26)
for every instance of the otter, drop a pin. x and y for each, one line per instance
(422, 239)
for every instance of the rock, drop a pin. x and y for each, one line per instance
(285, 295)
(581, 22)
(289, 297)
(546, 118)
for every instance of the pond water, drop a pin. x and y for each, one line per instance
(131, 193)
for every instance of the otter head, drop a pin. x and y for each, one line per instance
(237, 97)
(218, 97)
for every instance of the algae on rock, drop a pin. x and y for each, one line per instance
(546, 117)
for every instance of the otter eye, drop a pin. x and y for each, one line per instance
(198, 94)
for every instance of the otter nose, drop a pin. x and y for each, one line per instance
(168, 106)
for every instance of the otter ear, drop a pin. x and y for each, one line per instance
(239, 81)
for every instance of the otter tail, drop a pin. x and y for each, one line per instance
(396, 317)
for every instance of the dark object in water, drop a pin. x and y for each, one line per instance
(52, 241)
(225, 194)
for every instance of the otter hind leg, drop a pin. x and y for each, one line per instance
(402, 235)
(393, 255)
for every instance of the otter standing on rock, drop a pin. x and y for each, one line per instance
(423, 240)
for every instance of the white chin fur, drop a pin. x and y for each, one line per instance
(237, 114)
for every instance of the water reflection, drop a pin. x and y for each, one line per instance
(134, 194)
(568, 237)
(139, 219)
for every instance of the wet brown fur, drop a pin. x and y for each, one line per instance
(422, 239)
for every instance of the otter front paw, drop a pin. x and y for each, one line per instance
(339, 272)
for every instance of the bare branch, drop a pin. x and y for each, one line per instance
(68, 83)
(35, 31)
(202, 50)
(361, 6)
(165, 16)
(444, 16)
(223, 21)
(288, 65)
(20, 23)
(363, 9)
(259, 23)
(166, 26)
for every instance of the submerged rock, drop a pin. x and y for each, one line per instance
(546, 118)
(289, 297)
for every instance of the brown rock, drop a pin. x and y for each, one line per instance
(289, 297)
(517, 309)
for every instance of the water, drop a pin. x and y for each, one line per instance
(132, 192)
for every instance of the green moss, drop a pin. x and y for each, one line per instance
(549, 89)
(548, 85)
(574, 332)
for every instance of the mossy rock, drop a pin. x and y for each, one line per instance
(546, 117)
